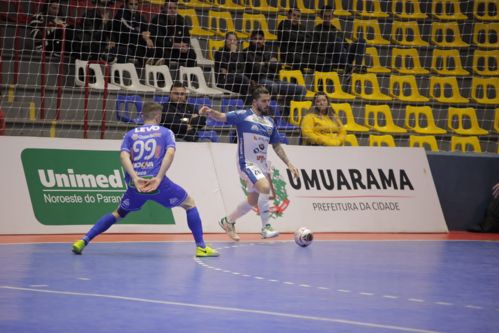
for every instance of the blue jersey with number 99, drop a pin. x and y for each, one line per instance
(147, 146)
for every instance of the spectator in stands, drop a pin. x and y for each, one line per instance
(51, 19)
(181, 117)
(172, 37)
(331, 42)
(229, 68)
(95, 35)
(321, 126)
(131, 35)
(490, 223)
(261, 66)
(295, 44)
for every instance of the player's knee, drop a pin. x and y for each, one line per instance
(120, 213)
(264, 189)
(188, 203)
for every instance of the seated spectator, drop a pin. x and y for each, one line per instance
(331, 42)
(179, 116)
(321, 126)
(51, 20)
(490, 223)
(295, 44)
(172, 37)
(261, 66)
(94, 38)
(129, 30)
(229, 68)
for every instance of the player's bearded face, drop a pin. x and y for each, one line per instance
(262, 105)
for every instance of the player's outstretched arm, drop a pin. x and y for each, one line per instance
(213, 114)
(126, 161)
(279, 150)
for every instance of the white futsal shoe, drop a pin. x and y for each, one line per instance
(269, 232)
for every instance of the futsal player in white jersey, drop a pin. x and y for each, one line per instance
(255, 131)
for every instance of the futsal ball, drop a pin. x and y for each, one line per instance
(303, 237)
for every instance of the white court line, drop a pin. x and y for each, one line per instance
(224, 308)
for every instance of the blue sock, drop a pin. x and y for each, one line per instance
(102, 225)
(194, 223)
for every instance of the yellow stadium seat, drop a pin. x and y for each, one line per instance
(195, 3)
(406, 61)
(257, 21)
(351, 140)
(228, 5)
(408, 10)
(368, 8)
(485, 35)
(483, 10)
(496, 121)
(213, 46)
(447, 62)
(338, 7)
(295, 76)
(299, 4)
(215, 20)
(323, 82)
(458, 117)
(297, 111)
(370, 30)
(463, 143)
(379, 118)
(446, 34)
(441, 85)
(375, 67)
(485, 90)
(196, 30)
(344, 111)
(448, 10)
(407, 34)
(486, 62)
(381, 140)
(261, 6)
(405, 89)
(366, 86)
(419, 119)
(425, 141)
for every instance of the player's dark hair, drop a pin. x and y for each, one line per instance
(261, 90)
(149, 109)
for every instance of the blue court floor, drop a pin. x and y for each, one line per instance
(276, 286)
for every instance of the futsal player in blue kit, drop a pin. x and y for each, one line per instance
(255, 131)
(147, 153)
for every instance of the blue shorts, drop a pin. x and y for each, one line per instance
(168, 195)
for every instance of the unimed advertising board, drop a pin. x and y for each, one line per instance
(72, 187)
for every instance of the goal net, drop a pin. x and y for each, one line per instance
(396, 73)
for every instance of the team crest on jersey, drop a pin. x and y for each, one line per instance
(279, 196)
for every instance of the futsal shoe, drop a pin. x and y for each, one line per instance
(78, 246)
(206, 252)
(269, 232)
(229, 228)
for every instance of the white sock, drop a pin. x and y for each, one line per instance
(240, 210)
(263, 206)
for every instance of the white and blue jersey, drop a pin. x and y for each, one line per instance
(147, 146)
(254, 134)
